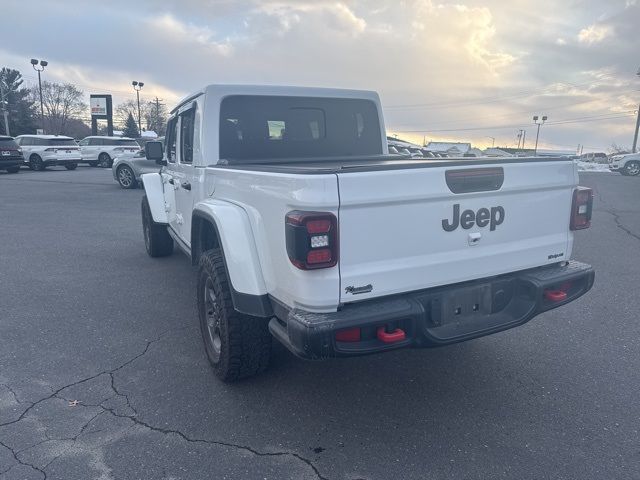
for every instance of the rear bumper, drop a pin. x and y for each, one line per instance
(10, 162)
(433, 317)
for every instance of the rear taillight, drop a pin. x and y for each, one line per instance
(581, 208)
(312, 239)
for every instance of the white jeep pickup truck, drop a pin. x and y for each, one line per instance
(304, 228)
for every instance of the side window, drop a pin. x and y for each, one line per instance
(170, 141)
(92, 142)
(186, 135)
(84, 143)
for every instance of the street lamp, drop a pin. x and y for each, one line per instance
(40, 68)
(137, 86)
(493, 141)
(538, 121)
(635, 136)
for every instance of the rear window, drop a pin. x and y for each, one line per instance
(61, 142)
(262, 127)
(8, 143)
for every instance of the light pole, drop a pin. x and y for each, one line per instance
(493, 141)
(137, 86)
(34, 64)
(635, 136)
(538, 122)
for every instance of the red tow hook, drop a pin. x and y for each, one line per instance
(555, 295)
(390, 337)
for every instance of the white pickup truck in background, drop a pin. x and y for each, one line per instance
(305, 228)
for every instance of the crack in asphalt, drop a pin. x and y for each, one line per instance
(133, 418)
(621, 226)
(17, 459)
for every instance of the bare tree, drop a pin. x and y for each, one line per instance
(62, 103)
(129, 107)
(615, 148)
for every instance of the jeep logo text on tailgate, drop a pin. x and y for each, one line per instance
(483, 217)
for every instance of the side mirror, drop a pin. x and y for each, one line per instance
(155, 151)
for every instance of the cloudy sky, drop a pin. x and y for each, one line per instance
(465, 70)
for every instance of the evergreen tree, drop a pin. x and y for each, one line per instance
(23, 115)
(131, 128)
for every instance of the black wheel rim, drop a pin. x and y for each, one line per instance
(212, 317)
(125, 177)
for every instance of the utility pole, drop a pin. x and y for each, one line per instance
(635, 136)
(5, 107)
(524, 137)
(157, 101)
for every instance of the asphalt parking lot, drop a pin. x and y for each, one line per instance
(103, 373)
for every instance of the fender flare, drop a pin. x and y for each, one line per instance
(235, 239)
(155, 195)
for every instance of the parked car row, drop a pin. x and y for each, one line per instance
(41, 151)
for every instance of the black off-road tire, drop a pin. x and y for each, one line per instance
(243, 342)
(157, 240)
(36, 163)
(13, 169)
(71, 166)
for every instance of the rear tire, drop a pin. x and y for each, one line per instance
(13, 169)
(126, 178)
(632, 168)
(36, 163)
(157, 240)
(104, 160)
(71, 166)
(237, 345)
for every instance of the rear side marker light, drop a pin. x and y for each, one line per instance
(312, 239)
(348, 335)
(581, 208)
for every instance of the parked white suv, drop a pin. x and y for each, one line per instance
(101, 151)
(42, 151)
(626, 164)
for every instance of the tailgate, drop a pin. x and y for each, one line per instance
(405, 229)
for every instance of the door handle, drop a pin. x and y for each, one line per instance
(186, 185)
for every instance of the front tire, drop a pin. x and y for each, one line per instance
(71, 166)
(104, 160)
(126, 178)
(157, 240)
(13, 170)
(237, 345)
(36, 163)
(632, 168)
